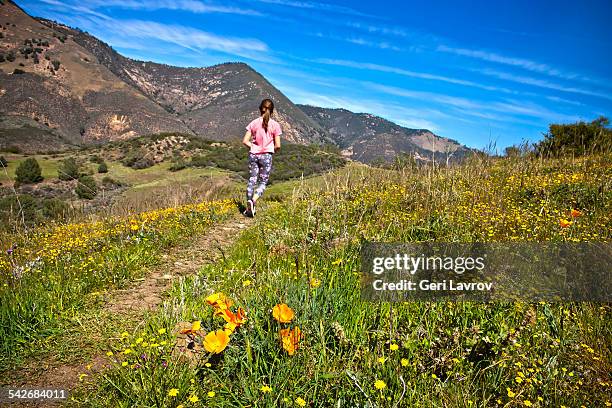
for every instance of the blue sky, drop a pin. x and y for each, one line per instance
(475, 71)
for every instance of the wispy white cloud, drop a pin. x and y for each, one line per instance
(192, 6)
(411, 74)
(525, 80)
(523, 63)
(116, 31)
(383, 45)
(402, 115)
(192, 38)
(376, 29)
(563, 100)
(478, 108)
(312, 5)
(73, 7)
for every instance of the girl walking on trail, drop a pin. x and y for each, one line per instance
(263, 139)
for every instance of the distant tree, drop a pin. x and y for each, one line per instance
(576, 139)
(96, 159)
(18, 71)
(3, 162)
(86, 188)
(178, 164)
(56, 64)
(102, 168)
(512, 151)
(68, 169)
(10, 56)
(2, 57)
(28, 172)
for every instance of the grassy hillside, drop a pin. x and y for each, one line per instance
(147, 173)
(304, 250)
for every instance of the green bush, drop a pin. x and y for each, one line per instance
(136, 159)
(68, 169)
(95, 158)
(178, 164)
(111, 182)
(55, 209)
(576, 139)
(11, 208)
(28, 172)
(12, 149)
(3, 162)
(86, 188)
(102, 168)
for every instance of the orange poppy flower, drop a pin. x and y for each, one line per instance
(216, 342)
(564, 223)
(290, 339)
(283, 313)
(233, 320)
(575, 213)
(219, 301)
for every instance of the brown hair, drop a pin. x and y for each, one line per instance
(266, 108)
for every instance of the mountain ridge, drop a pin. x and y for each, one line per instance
(369, 138)
(68, 88)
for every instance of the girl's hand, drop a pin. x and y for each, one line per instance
(246, 140)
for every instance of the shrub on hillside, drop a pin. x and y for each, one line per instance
(96, 159)
(110, 183)
(55, 209)
(18, 209)
(28, 172)
(12, 149)
(3, 162)
(102, 168)
(137, 160)
(56, 64)
(68, 169)
(178, 164)
(86, 188)
(576, 139)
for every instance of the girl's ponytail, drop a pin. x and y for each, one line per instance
(266, 108)
(266, 119)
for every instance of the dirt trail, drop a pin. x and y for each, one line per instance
(131, 304)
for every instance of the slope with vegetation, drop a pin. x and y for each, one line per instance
(372, 139)
(333, 348)
(135, 173)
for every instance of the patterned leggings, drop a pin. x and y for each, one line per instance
(260, 166)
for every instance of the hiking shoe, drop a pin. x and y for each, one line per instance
(251, 208)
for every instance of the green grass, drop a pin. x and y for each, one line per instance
(426, 354)
(46, 283)
(48, 166)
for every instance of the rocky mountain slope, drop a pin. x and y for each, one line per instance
(368, 138)
(215, 102)
(61, 87)
(74, 89)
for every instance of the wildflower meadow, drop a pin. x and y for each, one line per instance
(278, 320)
